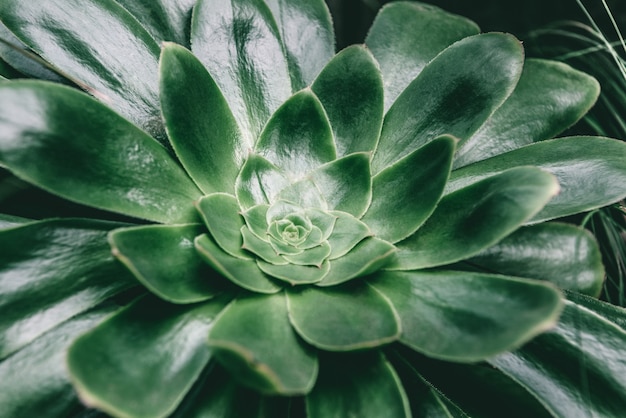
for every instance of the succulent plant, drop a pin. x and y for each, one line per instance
(369, 233)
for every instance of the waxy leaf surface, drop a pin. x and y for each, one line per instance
(259, 182)
(462, 317)
(163, 258)
(220, 213)
(255, 341)
(121, 169)
(201, 127)
(158, 352)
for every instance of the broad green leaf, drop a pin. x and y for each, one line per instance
(141, 361)
(405, 36)
(164, 259)
(10, 221)
(65, 142)
(454, 94)
(238, 41)
(576, 369)
(199, 123)
(345, 183)
(476, 217)
(613, 313)
(298, 139)
(360, 385)
(351, 89)
(466, 317)
(295, 274)
(342, 318)
(406, 193)
(368, 256)
(51, 271)
(307, 33)
(563, 254)
(590, 171)
(254, 340)
(220, 213)
(244, 273)
(304, 193)
(101, 46)
(34, 380)
(347, 233)
(549, 97)
(166, 20)
(259, 182)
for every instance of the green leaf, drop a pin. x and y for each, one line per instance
(244, 273)
(142, 361)
(563, 254)
(345, 183)
(454, 94)
(576, 369)
(256, 220)
(238, 41)
(163, 258)
(360, 385)
(298, 139)
(295, 274)
(51, 271)
(615, 314)
(350, 88)
(100, 45)
(368, 256)
(199, 123)
(259, 247)
(10, 221)
(342, 318)
(304, 193)
(307, 33)
(550, 97)
(259, 182)
(34, 380)
(406, 193)
(590, 171)
(466, 317)
(347, 233)
(405, 36)
(220, 212)
(8, 72)
(166, 20)
(310, 257)
(65, 142)
(254, 340)
(476, 217)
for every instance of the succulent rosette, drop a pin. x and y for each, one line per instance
(301, 232)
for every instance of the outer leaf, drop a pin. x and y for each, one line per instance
(254, 340)
(455, 93)
(298, 139)
(345, 183)
(464, 317)
(259, 182)
(357, 385)
(166, 20)
(405, 36)
(476, 217)
(141, 361)
(368, 256)
(51, 271)
(220, 213)
(590, 170)
(405, 194)
(67, 33)
(65, 142)
(563, 254)
(342, 318)
(34, 380)
(351, 89)
(549, 97)
(163, 259)
(307, 33)
(239, 43)
(199, 122)
(577, 369)
(244, 273)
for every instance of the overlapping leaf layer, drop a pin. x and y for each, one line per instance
(339, 230)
